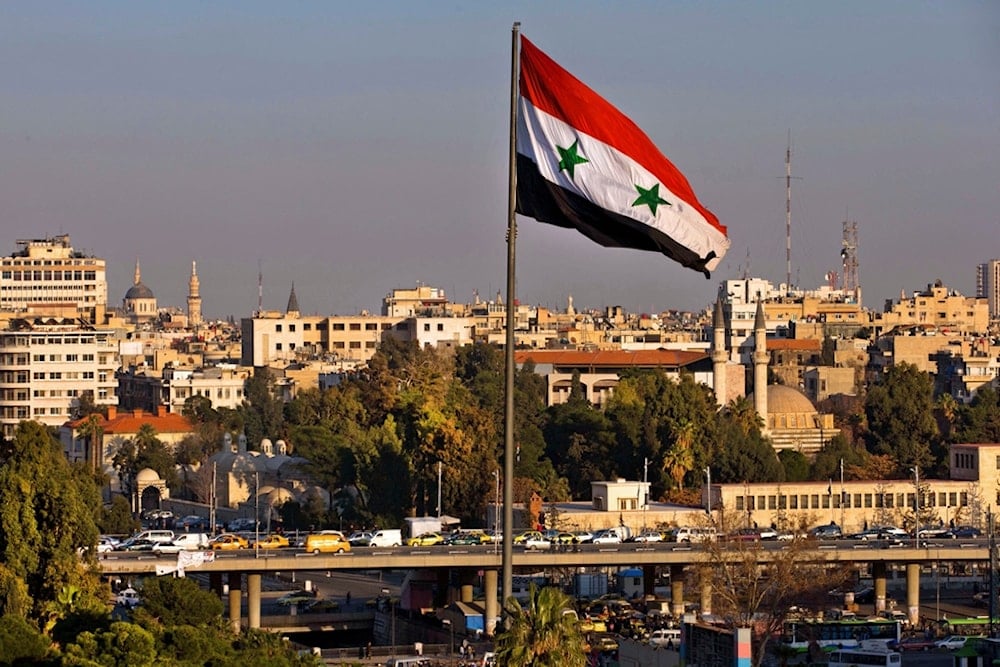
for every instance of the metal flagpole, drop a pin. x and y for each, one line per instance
(508, 417)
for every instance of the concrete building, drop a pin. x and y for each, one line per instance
(170, 389)
(620, 495)
(988, 285)
(48, 277)
(937, 306)
(600, 371)
(47, 365)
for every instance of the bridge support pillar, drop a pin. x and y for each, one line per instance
(648, 579)
(467, 580)
(706, 595)
(677, 590)
(492, 609)
(235, 593)
(253, 600)
(913, 593)
(878, 579)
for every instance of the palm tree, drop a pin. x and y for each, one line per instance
(679, 459)
(91, 429)
(743, 412)
(543, 634)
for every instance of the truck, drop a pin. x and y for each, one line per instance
(387, 537)
(590, 585)
(418, 525)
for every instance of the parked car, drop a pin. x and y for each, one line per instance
(830, 531)
(743, 535)
(467, 538)
(916, 643)
(532, 539)
(106, 544)
(425, 540)
(137, 544)
(228, 542)
(584, 536)
(648, 536)
(952, 642)
(272, 542)
(560, 537)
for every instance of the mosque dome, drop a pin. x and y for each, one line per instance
(782, 399)
(139, 291)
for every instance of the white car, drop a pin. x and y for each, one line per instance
(607, 537)
(649, 536)
(952, 642)
(106, 544)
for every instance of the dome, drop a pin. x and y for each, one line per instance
(278, 497)
(147, 476)
(139, 291)
(786, 400)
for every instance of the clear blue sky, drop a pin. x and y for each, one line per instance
(358, 147)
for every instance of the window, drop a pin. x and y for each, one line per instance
(277, 327)
(427, 326)
(277, 346)
(772, 502)
(739, 503)
(371, 326)
(440, 327)
(355, 344)
(355, 326)
(291, 327)
(338, 326)
(307, 326)
(793, 502)
(815, 501)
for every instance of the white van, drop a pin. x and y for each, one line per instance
(666, 638)
(390, 537)
(694, 534)
(155, 535)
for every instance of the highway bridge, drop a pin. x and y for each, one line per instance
(486, 558)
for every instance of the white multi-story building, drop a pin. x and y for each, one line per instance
(45, 367)
(47, 274)
(988, 285)
(149, 391)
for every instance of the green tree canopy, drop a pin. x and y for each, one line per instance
(900, 413)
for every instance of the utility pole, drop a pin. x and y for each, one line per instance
(843, 494)
(439, 490)
(212, 503)
(916, 506)
(708, 496)
(645, 490)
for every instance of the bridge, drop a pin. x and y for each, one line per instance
(485, 558)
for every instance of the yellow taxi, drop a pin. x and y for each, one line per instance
(228, 542)
(425, 540)
(272, 542)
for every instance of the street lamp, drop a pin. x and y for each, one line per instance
(708, 485)
(496, 514)
(916, 505)
(451, 642)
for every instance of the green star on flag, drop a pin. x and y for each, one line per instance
(569, 158)
(650, 197)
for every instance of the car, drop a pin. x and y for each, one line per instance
(934, 532)
(467, 538)
(609, 536)
(648, 536)
(360, 538)
(768, 533)
(321, 606)
(830, 531)
(137, 544)
(183, 542)
(916, 643)
(228, 542)
(560, 537)
(272, 542)
(425, 540)
(296, 597)
(584, 536)
(952, 642)
(743, 535)
(532, 539)
(106, 544)
(965, 533)
(666, 638)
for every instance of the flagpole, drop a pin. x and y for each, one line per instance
(508, 417)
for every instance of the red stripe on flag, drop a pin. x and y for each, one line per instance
(558, 93)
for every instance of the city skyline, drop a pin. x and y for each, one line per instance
(354, 150)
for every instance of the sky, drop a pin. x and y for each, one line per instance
(357, 147)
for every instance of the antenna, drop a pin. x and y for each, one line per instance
(260, 288)
(788, 215)
(849, 258)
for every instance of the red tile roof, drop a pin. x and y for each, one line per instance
(129, 422)
(810, 344)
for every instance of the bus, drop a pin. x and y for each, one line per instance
(831, 635)
(968, 627)
(864, 658)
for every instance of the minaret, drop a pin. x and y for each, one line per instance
(760, 364)
(194, 297)
(292, 309)
(570, 310)
(719, 355)
(138, 274)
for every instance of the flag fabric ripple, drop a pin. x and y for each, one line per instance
(582, 164)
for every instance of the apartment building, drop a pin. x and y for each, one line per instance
(47, 276)
(149, 390)
(937, 306)
(988, 285)
(47, 364)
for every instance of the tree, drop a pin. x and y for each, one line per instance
(979, 421)
(178, 601)
(262, 412)
(94, 433)
(47, 513)
(900, 412)
(117, 519)
(20, 642)
(751, 591)
(795, 464)
(544, 634)
(122, 645)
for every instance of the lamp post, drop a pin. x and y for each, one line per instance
(496, 514)
(451, 642)
(708, 485)
(916, 506)
(645, 491)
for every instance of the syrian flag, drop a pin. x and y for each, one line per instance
(581, 163)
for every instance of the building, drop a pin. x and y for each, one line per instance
(194, 298)
(48, 277)
(47, 365)
(988, 285)
(939, 307)
(149, 390)
(600, 371)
